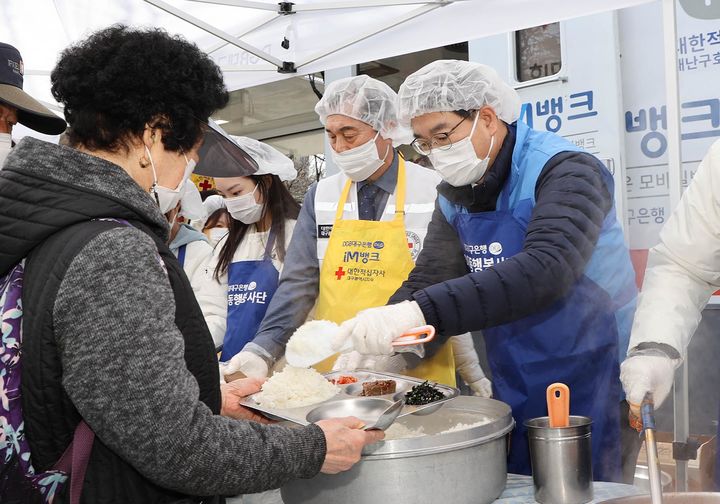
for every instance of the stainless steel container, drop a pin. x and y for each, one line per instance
(561, 459)
(642, 479)
(460, 467)
(671, 498)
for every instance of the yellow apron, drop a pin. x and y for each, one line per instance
(365, 263)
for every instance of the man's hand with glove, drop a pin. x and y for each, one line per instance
(351, 361)
(467, 364)
(248, 363)
(647, 371)
(373, 330)
(482, 388)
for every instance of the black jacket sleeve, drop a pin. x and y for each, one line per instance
(572, 201)
(440, 259)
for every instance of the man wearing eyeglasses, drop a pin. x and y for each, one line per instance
(548, 277)
(356, 240)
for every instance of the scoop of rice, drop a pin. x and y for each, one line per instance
(464, 426)
(312, 338)
(400, 431)
(295, 387)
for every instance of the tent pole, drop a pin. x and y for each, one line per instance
(247, 32)
(359, 4)
(215, 31)
(248, 68)
(242, 3)
(681, 411)
(369, 33)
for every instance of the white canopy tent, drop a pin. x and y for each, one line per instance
(245, 37)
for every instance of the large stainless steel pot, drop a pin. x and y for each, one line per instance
(463, 467)
(671, 498)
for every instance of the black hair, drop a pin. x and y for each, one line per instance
(207, 193)
(281, 205)
(214, 218)
(121, 79)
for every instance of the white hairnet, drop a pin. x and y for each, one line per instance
(450, 85)
(213, 203)
(367, 100)
(191, 205)
(270, 161)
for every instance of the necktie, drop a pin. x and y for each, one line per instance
(366, 201)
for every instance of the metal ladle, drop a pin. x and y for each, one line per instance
(647, 413)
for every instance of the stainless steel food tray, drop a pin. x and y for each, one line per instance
(349, 391)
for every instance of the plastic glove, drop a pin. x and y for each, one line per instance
(351, 361)
(640, 374)
(248, 363)
(467, 364)
(373, 330)
(481, 388)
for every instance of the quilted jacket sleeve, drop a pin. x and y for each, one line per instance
(572, 201)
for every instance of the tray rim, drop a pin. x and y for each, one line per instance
(297, 415)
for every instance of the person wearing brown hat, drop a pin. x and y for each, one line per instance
(16, 106)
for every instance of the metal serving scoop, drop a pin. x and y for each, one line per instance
(387, 417)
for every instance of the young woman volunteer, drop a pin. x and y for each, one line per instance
(244, 271)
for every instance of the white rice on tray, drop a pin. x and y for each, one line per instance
(295, 387)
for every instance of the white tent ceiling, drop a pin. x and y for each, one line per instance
(322, 34)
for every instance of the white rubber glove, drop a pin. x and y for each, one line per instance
(481, 388)
(373, 330)
(640, 374)
(467, 364)
(348, 361)
(351, 361)
(248, 363)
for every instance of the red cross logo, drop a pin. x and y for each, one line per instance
(410, 245)
(340, 273)
(205, 185)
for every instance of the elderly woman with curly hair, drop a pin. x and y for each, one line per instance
(113, 336)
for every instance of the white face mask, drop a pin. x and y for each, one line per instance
(244, 208)
(167, 198)
(191, 205)
(459, 165)
(359, 163)
(5, 147)
(217, 234)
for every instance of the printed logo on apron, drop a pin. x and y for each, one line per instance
(483, 256)
(414, 244)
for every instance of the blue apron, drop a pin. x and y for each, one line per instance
(251, 286)
(181, 254)
(575, 341)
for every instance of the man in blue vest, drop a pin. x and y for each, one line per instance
(548, 278)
